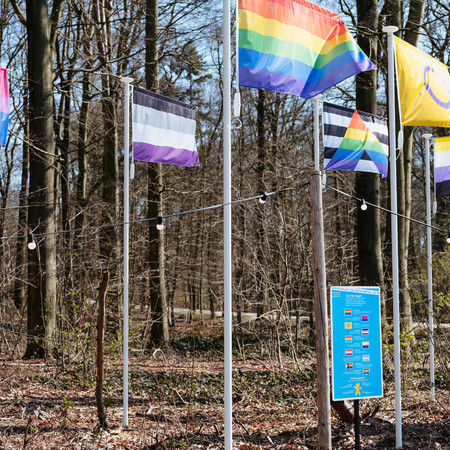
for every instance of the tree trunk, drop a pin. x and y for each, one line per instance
(368, 184)
(101, 413)
(109, 240)
(159, 334)
(19, 286)
(41, 214)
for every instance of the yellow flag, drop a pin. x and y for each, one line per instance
(424, 85)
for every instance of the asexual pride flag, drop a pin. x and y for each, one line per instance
(163, 129)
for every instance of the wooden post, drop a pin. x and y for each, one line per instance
(99, 362)
(321, 315)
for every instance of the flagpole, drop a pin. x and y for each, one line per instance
(390, 30)
(126, 208)
(427, 138)
(227, 307)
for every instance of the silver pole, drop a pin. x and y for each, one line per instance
(126, 208)
(427, 138)
(390, 30)
(228, 400)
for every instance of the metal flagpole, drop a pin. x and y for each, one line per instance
(227, 308)
(390, 30)
(427, 138)
(126, 207)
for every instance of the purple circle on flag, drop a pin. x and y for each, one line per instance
(428, 88)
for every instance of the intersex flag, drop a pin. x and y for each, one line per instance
(4, 105)
(354, 140)
(163, 129)
(424, 86)
(442, 166)
(295, 47)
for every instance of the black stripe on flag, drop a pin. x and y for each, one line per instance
(336, 109)
(159, 102)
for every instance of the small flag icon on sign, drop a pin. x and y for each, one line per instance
(364, 318)
(366, 358)
(347, 312)
(366, 371)
(365, 331)
(365, 344)
(348, 352)
(348, 325)
(348, 338)
(349, 365)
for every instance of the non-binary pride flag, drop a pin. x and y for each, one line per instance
(424, 86)
(354, 140)
(4, 105)
(442, 166)
(163, 129)
(296, 47)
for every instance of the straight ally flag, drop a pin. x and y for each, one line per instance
(442, 166)
(4, 105)
(354, 140)
(163, 129)
(424, 86)
(295, 47)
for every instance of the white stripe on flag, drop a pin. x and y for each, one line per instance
(159, 137)
(163, 120)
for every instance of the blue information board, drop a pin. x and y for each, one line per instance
(356, 343)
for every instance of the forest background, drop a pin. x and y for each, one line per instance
(61, 177)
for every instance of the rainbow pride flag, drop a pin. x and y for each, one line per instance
(295, 47)
(354, 140)
(4, 105)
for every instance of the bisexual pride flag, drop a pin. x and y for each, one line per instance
(4, 105)
(295, 47)
(354, 140)
(442, 166)
(163, 129)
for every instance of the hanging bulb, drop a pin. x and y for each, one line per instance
(448, 238)
(31, 244)
(263, 198)
(364, 205)
(159, 224)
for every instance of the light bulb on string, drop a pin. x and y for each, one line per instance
(159, 224)
(364, 205)
(31, 243)
(263, 198)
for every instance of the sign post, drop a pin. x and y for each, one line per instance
(357, 371)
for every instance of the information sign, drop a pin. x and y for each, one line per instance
(356, 343)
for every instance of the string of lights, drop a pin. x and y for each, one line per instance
(365, 204)
(157, 219)
(262, 198)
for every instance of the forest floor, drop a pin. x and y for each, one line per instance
(176, 401)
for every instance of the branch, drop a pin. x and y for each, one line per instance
(19, 13)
